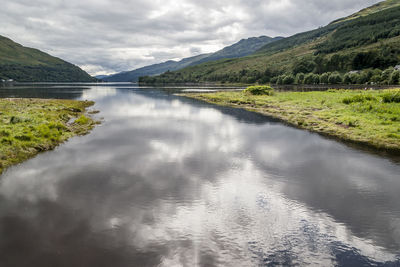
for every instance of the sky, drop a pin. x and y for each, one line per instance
(109, 36)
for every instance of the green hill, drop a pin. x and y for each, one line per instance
(31, 65)
(370, 10)
(242, 48)
(361, 48)
(133, 76)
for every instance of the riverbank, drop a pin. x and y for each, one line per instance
(365, 117)
(30, 126)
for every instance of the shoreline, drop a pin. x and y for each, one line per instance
(323, 113)
(30, 126)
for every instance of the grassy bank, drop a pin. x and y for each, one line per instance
(29, 126)
(367, 117)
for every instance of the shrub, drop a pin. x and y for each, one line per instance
(24, 137)
(358, 98)
(5, 133)
(259, 90)
(6, 141)
(82, 120)
(392, 97)
(15, 120)
(58, 126)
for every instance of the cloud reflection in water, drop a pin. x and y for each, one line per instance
(171, 181)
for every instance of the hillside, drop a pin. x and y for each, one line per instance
(171, 65)
(243, 48)
(31, 65)
(370, 10)
(368, 40)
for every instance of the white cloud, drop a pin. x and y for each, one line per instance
(105, 36)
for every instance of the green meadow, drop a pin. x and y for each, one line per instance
(29, 126)
(366, 117)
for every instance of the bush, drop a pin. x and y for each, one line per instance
(15, 120)
(24, 137)
(358, 98)
(5, 133)
(259, 90)
(392, 97)
(82, 120)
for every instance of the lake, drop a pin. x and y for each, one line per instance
(170, 181)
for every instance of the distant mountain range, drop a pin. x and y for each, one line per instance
(242, 48)
(367, 41)
(32, 65)
(133, 76)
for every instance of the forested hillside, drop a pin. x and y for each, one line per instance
(31, 65)
(362, 48)
(242, 48)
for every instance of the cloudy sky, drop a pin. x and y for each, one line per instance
(107, 36)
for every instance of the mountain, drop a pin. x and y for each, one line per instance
(171, 65)
(369, 39)
(31, 65)
(370, 10)
(242, 48)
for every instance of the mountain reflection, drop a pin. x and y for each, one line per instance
(171, 181)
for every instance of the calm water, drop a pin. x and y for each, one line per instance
(171, 181)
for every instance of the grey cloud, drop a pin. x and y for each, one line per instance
(107, 36)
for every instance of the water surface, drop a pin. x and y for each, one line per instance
(169, 181)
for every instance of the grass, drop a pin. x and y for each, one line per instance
(30, 126)
(366, 117)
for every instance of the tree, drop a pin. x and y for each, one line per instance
(304, 65)
(323, 79)
(347, 79)
(288, 79)
(394, 77)
(299, 78)
(311, 78)
(385, 77)
(354, 77)
(335, 78)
